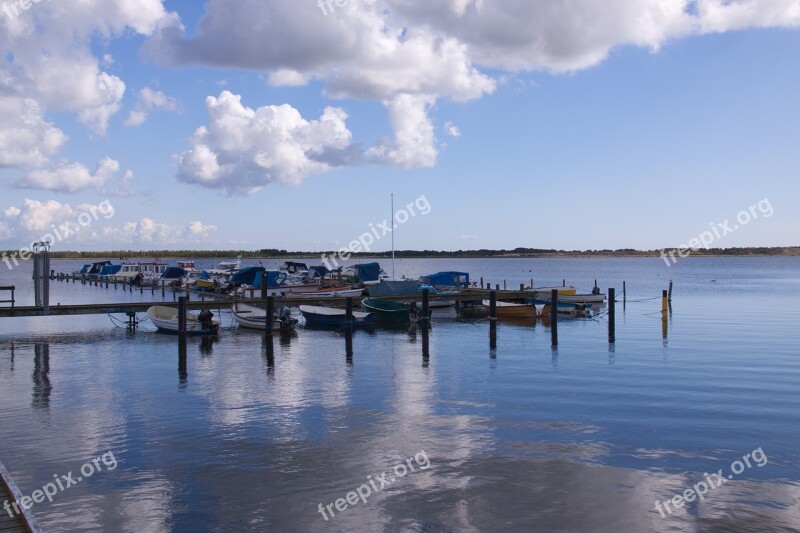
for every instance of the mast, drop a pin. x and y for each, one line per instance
(393, 278)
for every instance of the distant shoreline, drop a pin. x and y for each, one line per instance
(519, 253)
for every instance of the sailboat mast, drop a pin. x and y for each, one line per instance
(393, 236)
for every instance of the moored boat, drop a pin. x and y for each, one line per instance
(513, 310)
(387, 310)
(340, 292)
(328, 316)
(251, 317)
(166, 319)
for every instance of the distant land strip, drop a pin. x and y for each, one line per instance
(270, 253)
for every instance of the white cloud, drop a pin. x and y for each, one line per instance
(410, 54)
(414, 142)
(5, 232)
(149, 100)
(451, 129)
(148, 232)
(12, 212)
(49, 57)
(70, 177)
(26, 138)
(244, 149)
(39, 216)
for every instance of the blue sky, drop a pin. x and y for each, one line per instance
(613, 131)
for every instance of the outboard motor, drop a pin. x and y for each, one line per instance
(596, 290)
(206, 319)
(285, 318)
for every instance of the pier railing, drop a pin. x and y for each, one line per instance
(8, 288)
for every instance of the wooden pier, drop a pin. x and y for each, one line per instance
(22, 522)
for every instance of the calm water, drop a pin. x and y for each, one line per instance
(583, 438)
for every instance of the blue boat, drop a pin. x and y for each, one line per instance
(328, 316)
(447, 279)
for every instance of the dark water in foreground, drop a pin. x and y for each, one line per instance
(583, 438)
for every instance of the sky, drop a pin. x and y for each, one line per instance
(251, 124)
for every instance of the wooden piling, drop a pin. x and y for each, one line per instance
(664, 302)
(493, 320)
(270, 314)
(624, 292)
(554, 316)
(504, 285)
(182, 314)
(612, 335)
(669, 296)
(521, 287)
(348, 315)
(497, 287)
(425, 307)
(564, 283)
(264, 287)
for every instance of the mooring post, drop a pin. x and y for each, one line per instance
(481, 282)
(563, 282)
(425, 307)
(493, 320)
(669, 296)
(505, 288)
(264, 287)
(348, 314)
(612, 334)
(664, 302)
(624, 292)
(554, 316)
(270, 314)
(182, 312)
(521, 287)
(426, 351)
(497, 287)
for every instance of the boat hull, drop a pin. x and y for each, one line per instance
(325, 316)
(250, 317)
(166, 320)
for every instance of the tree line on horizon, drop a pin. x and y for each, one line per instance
(274, 253)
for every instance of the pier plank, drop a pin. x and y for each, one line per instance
(16, 523)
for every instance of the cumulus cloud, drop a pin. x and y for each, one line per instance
(451, 129)
(149, 100)
(148, 232)
(37, 218)
(70, 177)
(409, 54)
(49, 59)
(243, 149)
(26, 138)
(12, 212)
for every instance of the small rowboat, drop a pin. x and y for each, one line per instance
(513, 310)
(387, 310)
(329, 293)
(251, 317)
(328, 316)
(166, 320)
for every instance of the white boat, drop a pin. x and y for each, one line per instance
(166, 319)
(328, 316)
(251, 317)
(329, 293)
(439, 309)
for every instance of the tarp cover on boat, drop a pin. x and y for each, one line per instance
(317, 271)
(393, 288)
(367, 272)
(247, 276)
(173, 273)
(447, 279)
(110, 270)
(275, 278)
